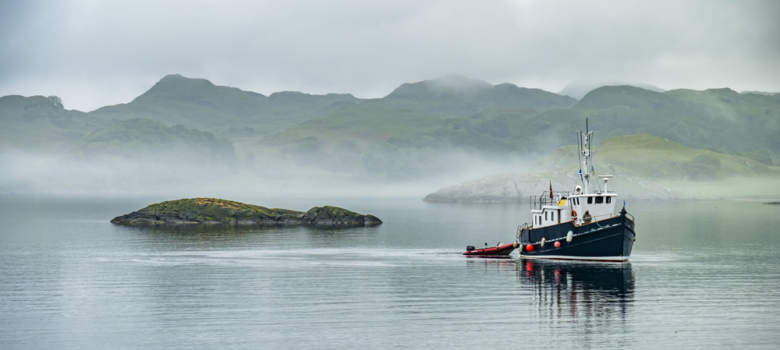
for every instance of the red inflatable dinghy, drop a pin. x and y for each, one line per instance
(501, 249)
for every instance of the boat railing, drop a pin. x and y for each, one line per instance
(605, 216)
(604, 192)
(596, 218)
(537, 202)
(522, 227)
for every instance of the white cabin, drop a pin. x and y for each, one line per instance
(598, 206)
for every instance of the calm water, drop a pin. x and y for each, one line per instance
(703, 275)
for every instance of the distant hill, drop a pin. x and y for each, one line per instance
(759, 93)
(200, 104)
(454, 94)
(578, 89)
(389, 140)
(39, 124)
(147, 140)
(389, 143)
(644, 166)
(715, 118)
(418, 131)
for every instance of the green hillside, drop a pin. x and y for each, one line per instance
(650, 156)
(717, 118)
(399, 143)
(417, 131)
(148, 140)
(644, 166)
(457, 95)
(40, 124)
(391, 141)
(198, 103)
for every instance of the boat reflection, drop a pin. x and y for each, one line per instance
(498, 263)
(594, 292)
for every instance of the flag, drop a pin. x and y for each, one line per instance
(550, 191)
(592, 171)
(581, 175)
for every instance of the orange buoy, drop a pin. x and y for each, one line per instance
(557, 244)
(529, 247)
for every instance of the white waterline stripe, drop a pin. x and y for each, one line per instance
(564, 257)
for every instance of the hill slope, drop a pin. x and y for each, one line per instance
(146, 140)
(644, 166)
(715, 118)
(399, 144)
(456, 95)
(200, 104)
(40, 124)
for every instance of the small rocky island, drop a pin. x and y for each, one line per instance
(220, 211)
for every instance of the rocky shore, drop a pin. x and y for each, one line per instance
(220, 211)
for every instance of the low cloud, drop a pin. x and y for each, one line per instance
(94, 53)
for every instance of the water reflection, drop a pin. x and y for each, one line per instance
(216, 237)
(590, 294)
(498, 263)
(218, 228)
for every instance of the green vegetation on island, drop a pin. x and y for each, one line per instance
(220, 211)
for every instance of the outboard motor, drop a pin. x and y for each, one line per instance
(469, 247)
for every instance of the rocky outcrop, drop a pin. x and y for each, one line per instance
(220, 211)
(337, 216)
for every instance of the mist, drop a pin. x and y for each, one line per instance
(95, 53)
(352, 99)
(23, 172)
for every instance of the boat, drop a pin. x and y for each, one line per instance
(578, 225)
(499, 249)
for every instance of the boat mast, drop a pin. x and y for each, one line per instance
(585, 151)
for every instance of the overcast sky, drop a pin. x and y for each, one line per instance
(95, 53)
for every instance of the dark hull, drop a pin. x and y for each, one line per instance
(606, 240)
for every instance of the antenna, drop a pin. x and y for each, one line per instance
(605, 178)
(579, 153)
(592, 162)
(585, 150)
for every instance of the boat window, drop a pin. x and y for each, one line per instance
(609, 199)
(590, 200)
(578, 201)
(545, 216)
(552, 216)
(599, 200)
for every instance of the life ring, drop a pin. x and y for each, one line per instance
(573, 213)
